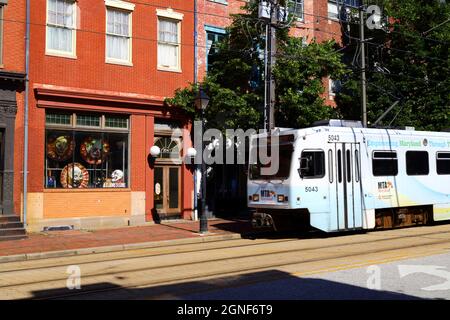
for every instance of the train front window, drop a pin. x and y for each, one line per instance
(312, 164)
(285, 158)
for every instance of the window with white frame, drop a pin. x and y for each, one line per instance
(169, 44)
(61, 27)
(118, 35)
(336, 6)
(296, 8)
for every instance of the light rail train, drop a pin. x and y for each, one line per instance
(339, 176)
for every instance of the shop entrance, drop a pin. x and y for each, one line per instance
(167, 191)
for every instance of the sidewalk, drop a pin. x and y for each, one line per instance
(66, 242)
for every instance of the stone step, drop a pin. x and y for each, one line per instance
(6, 219)
(12, 232)
(11, 225)
(9, 238)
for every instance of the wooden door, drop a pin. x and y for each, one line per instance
(167, 191)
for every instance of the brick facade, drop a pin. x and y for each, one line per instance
(88, 83)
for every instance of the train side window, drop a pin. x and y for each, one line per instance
(330, 166)
(312, 164)
(357, 166)
(417, 163)
(443, 163)
(339, 164)
(384, 163)
(348, 162)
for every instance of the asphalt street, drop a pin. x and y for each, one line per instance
(382, 281)
(411, 263)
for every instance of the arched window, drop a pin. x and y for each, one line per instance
(170, 147)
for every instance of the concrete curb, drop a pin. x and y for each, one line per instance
(116, 248)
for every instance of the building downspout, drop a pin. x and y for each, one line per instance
(25, 114)
(195, 217)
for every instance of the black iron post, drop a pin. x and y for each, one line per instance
(203, 219)
(201, 102)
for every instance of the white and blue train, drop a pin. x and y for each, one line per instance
(340, 176)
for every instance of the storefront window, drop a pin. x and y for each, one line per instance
(81, 157)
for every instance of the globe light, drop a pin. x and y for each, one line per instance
(155, 151)
(191, 153)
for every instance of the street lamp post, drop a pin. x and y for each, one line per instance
(201, 102)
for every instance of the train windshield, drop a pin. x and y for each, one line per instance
(284, 148)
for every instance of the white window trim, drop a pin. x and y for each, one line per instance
(224, 2)
(169, 13)
(302, 18)
(331, 14)
(118, 4)
(108, 60)
(176, 17)
(59, 53)
(331, 93)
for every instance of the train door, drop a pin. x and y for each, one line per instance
(348, 186)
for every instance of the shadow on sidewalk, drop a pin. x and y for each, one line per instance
(264, 285)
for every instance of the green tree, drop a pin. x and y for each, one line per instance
(235, 80)
(408, 60)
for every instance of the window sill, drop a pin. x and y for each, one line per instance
(119, 62)
(222, 2)
(56, 190)
(176, 162)
(332, 19)
(61, 55)
(161, 68)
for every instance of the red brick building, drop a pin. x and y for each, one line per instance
(99, 73)
(12, 79)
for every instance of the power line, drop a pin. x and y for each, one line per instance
(303, 27)
(228, 17)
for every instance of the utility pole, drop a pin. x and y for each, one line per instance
(271, 63)
(363, 67)
(269, 11)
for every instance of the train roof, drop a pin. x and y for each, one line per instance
(410, 132)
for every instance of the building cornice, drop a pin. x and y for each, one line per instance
(46, 90)
(11, 75)
(69, 98)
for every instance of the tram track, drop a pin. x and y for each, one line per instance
(138, 256)
(124, 257)
(240, 271)
(235, 261)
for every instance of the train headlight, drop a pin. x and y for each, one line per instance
(255, 197)
(280, 198)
